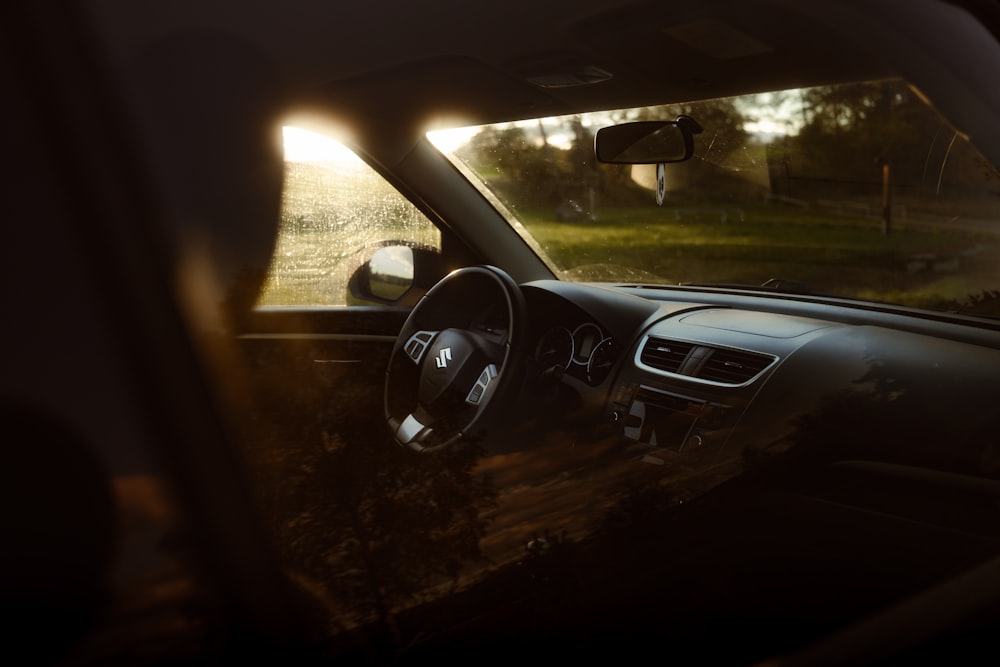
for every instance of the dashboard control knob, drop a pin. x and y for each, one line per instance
(622, 418)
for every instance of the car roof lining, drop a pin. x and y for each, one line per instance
(647, 65)
(465, 71)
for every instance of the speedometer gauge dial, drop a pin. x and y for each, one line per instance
(555, 349)
(601, 360)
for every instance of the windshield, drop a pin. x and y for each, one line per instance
(859, 191)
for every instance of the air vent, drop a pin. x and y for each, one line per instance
(665, 355)
(734, 367)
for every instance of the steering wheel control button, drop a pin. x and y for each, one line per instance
(485, 378)
(417, 344)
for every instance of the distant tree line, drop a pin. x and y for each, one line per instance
(838, 138)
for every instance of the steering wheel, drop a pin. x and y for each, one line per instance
(456, 359)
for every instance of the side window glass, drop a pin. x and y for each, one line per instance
(336, 211)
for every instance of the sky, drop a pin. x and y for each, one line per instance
(307, 146)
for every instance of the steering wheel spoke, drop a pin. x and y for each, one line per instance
(412, 432)
(479, 392)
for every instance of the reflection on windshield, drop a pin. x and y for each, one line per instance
(858, 190)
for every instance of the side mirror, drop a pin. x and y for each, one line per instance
(390, 272)
(647, 142)
(395, 273)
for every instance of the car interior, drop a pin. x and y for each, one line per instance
(394, 332)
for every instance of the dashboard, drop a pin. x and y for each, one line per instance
(735, 379)
(820, 459)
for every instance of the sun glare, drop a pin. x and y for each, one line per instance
(306, 146)
(448, 141)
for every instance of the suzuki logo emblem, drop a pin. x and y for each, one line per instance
(444, 356)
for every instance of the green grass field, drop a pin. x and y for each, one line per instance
(919, 263)
(914, 265)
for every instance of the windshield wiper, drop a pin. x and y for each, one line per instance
(771, 285)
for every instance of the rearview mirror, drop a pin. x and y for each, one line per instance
(647, 142)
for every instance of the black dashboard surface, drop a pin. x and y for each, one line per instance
(726, 385)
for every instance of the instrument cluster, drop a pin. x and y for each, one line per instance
(585, 352)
